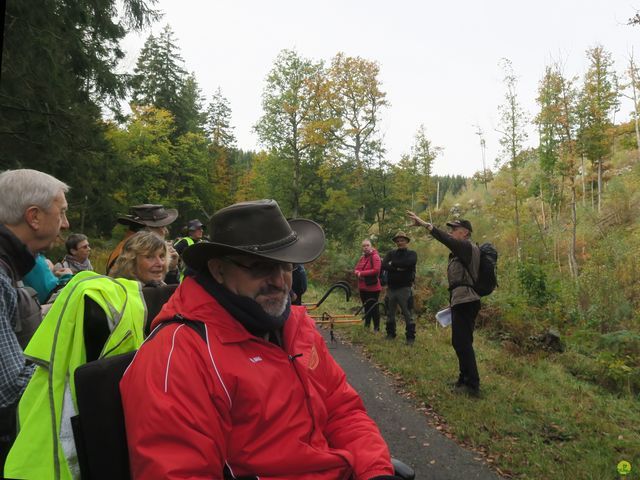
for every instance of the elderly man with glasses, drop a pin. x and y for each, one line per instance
(234, 381)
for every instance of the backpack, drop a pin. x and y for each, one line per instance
(384, 277)
(487, 279)
(29, 313)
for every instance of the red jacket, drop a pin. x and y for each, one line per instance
(369, 265)
(279, 413)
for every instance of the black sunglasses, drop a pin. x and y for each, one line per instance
(262, 268)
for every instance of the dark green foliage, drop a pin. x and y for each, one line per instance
(58, 71)
(533, 280)
(160, 80)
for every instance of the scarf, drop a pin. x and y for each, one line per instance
(76, 266)
(245, 310)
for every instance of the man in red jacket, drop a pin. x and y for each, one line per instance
(240, 384)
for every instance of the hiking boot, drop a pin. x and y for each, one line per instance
(464, 389)
(410, 341)
(390, 336)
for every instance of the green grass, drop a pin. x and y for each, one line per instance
(535, 420)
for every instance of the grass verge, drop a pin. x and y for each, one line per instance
(534, 419)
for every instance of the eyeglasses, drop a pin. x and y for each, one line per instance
(262, 269)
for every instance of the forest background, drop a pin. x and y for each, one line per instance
(563, 215)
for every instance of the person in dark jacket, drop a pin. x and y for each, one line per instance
(463, 269)
(400, 264)
(298, 283)
(195, 232)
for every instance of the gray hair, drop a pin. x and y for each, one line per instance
(24, 188)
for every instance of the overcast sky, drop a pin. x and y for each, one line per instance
(439, 61)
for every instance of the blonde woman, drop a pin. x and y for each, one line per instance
(143, 258)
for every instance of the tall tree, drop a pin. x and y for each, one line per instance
(160, 80)
(423, 154)
(513, 121)
(160, 167)
(58, 74)
(356, 101)
(600, 100)
(286, 126)
(218, 121)
(190, 116)
(634, 84)
(557, 122)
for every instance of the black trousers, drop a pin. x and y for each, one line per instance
(463, 322)
(370, 302)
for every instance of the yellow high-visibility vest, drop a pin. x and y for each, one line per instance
(45, 448)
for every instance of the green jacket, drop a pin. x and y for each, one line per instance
(45, 448)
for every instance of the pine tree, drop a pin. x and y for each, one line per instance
(160, 80)
(218, 122)
(58, 75)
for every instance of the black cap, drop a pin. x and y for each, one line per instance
(194, 224)
(460, 223)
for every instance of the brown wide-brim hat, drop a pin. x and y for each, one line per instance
(401, 234)
(257, 228)
(149, 215)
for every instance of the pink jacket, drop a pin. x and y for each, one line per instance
(238, 400)
(369, 265)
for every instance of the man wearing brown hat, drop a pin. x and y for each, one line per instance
(234, 382)
(154, 218)
(400, 264)
(464, 261)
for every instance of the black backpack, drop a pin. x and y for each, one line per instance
(487, 279)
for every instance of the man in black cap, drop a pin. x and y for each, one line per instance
(235, 379)
(400, 264)
(463, 269)
(194, 235)
(154, 218)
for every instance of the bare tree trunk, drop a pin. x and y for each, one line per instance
(574, 227)
(632, 71)
(599, 185)
(584, 186)
(517, 220)
(544, 219)
(295, 185)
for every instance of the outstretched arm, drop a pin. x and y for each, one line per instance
(460, 248)
(418, 222)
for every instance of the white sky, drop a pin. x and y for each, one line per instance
(439, 61)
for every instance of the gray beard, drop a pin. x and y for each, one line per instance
(275, 308)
